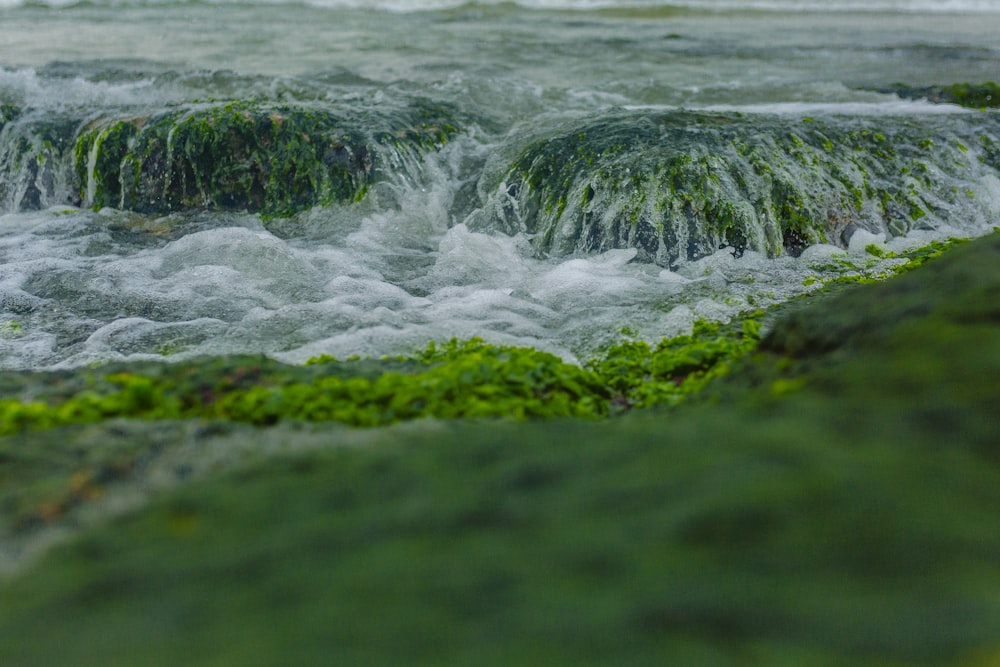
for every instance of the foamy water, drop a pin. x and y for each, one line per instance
(407, 265)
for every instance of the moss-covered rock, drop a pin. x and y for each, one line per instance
(680, 185)
(971, 95)
(458, 379)
(246, 156)
(8, 112)
(836, 504)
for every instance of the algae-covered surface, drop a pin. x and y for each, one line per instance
(973, 95)
(832, 500)
(678, 185)
(240, 155)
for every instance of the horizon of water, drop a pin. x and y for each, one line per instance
(405, 266)
(933, 6)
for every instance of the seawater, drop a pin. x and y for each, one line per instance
(402, 267)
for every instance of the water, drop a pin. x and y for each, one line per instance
(428, 253)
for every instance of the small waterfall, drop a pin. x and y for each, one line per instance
(34, 171)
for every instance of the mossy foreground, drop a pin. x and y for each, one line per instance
(832, 501)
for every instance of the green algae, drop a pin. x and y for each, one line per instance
(879, 264)
(833, 503)
(460, 379)
(8, 112)
(679, 185)
(642, 375)
(971, 95)
(246, 156)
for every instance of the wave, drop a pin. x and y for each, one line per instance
(404, 6)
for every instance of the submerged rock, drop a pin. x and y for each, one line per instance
(7, 112)
(680, 185)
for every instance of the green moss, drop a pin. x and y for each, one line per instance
(642, 375)
(11, 329)
(971, 95)
(100, 184)
(680, 185)
(457, 379)
(276, 160)
(977, 96)
(33, 157)
(468, 379)
(8, 112)
(875, 250)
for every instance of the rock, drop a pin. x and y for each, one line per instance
(245, 156)
(680, 185)
(971, 95)
(242, 156)
(33, 174)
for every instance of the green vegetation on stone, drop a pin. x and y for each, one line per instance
(31, 165)
(971, 95)
(276, 160)
(8, 112)
(458, 379)
(680, 185)
(643, 376)
(834, 504)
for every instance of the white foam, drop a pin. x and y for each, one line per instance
(24, 87)
(468, 258)
(240, 289)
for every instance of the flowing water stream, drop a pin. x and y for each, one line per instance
(783, 107)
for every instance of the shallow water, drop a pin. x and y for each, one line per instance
(407, 264)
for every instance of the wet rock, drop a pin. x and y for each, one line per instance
(244, 156)
(241, 156)
(8, 112)
(679, 185)
(972, 95)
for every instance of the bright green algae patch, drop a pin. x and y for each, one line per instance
(459, 379)
(680, 185)
(835, 503)
(272, 159)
